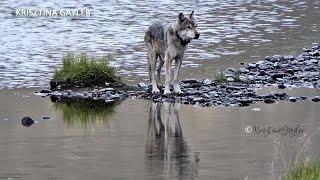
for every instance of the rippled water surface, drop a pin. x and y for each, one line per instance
(232, 31)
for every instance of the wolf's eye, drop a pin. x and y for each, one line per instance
(189, 27)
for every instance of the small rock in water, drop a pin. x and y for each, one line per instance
(292, 99)
(278, 75)
(46, 91)
(245, 102)
(207, 81)
(256, 109)
(252, 66)
(69, 92)
(281, 86)
(230, 79)
(263, 66)
(191, 81)
(45, 117)
(303, 97)
(198, 99)
(269, 101)
(230, 71)
(316, 99)
(27, 121)
(142, 84)
(277, 65)
(295, 62)
(290, 71)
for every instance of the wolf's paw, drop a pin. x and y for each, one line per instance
(166, 92)
(177, 90)
(155, 90)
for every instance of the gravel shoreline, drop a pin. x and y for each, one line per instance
(282, 71)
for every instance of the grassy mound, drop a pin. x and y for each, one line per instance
(84, 71)
(310, 171)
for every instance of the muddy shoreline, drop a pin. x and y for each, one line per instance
(281, 71)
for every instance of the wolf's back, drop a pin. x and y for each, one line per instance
(155, 32)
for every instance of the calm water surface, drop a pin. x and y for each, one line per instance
(232, 31)
(137, 139)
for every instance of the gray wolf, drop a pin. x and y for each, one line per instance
(168, 45)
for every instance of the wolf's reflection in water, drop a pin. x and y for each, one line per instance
(167, 152)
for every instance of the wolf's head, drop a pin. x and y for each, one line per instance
(187, 28)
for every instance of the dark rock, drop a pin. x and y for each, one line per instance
(45, 117)
(316, 53)
(269, 101)
(289, 71)
(251, 66)
(230, 71)
(303, 97)
(306, 50)
(281, 86)
(316, 99)
(262, 73)
(46, 91)
(27, 121)
(277, 65)
(190, 81)
(245, 102)
(69, 92)
(292, 99)
(278, 75)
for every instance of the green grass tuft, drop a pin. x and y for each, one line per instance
(85, 71)
(219, 77)
(309, 171)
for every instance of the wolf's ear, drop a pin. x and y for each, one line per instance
(181, 17)
(191, 15)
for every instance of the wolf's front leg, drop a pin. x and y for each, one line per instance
(177, 67)
(167, 60)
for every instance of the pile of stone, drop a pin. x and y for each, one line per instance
(238, 90)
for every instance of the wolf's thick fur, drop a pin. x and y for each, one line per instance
(168, 45)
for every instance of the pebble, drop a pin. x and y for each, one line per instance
(316, 99)
(27, 121)
(269, 101)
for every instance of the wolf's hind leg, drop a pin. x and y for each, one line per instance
(153, 62)
(161, 62)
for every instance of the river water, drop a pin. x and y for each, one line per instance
(232, 31)
(137, 139)
(127, 140)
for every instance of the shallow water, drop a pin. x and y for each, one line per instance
(126, 140)
(232, 31)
